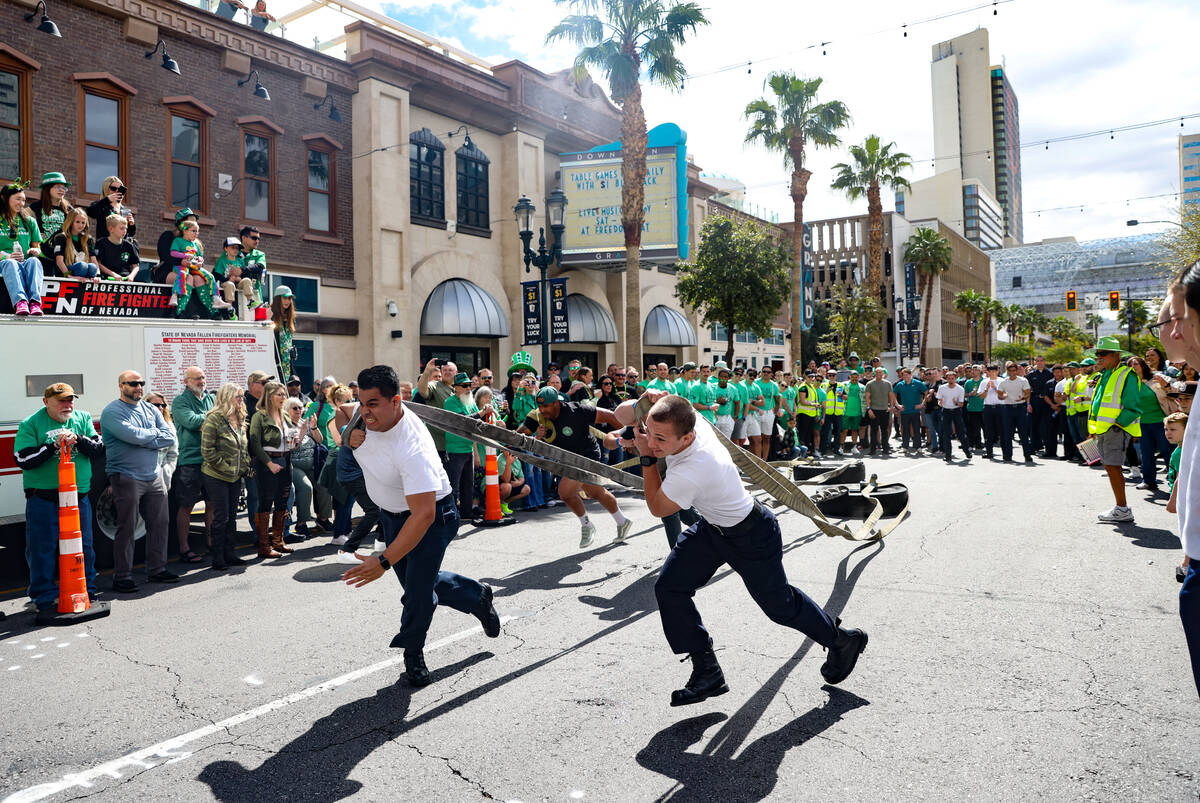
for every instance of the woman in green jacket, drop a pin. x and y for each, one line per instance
(226, 462)
(271, 440)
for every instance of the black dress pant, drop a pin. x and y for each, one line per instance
(223, 496)
(879, 429)
(975, 428)
(273, 487)
(461, 469)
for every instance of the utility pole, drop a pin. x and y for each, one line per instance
(1129, 319)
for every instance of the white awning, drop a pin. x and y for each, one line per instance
(459, 308)
(667, 327)
(588, 322)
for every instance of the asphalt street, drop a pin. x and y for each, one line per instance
(1018, 650)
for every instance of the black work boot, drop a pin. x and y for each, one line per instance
(706, 680)
(843, 655)
(415, 670)
(486, 613)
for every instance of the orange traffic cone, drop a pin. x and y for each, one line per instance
(73, 602)
(492, 517)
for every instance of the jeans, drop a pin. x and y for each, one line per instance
(421, 576)
(150, 498)
(831, 433)
(251, 485)
(610, 457)
(879, 427)
(1153, 442)
(343, 514)
(224, 498)
(1189, 614)
(757, 556)
(933, 422)
(462, 481)
(357, 489)
(273, 488)
(41, 548)
(23, 279)
(85, 270)
(953, 422)
(910, 427)
(1016, 419)
(533, 477)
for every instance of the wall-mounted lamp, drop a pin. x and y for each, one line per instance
(260, 91)
(334, 114)
(46, 25)
(168, 63)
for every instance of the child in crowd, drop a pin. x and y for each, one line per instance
(228, 271)
(191, 275)
(71, 248)
(116, 254)
(1175, 425)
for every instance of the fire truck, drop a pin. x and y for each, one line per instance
(91, 332)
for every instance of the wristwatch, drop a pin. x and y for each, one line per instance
(384, 562)
(648, 461)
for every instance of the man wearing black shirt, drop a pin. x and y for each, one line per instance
(1041, 384)
(567, 425)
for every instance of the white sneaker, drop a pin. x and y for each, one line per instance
(553, 502)
(379, 545)
(586, 534)
(340, 540)
(1118, 515)
(347, 558)
(623, 530)
(856, 451)
(1145, 486)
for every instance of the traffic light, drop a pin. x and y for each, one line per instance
(1114, 300)
(1070, 301)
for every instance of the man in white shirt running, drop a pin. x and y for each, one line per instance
(734, 528)
(405, 477)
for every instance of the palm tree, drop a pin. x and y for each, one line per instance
(993, 313)
(1137, 312)
(1093, 321)
(620, 38)
(929, 252)
(784, 124)
(970, 303)
(1060, 329)
(874, 164)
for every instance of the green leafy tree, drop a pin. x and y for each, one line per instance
(929, 252)
(1003, 352)
(873, 165)
(855, 323)
(1182, 245)
(1064, 352)
(1060, 329)
(740, 278)
(1135, 311)
(971, 303)
(994, 314)
(1093, 321)
(621, 38)
(785, 123)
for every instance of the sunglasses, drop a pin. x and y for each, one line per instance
(253, 237)
(119, 190)
(134, 384)
(159, 405)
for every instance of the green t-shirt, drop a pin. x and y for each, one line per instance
(731, 394)
(467, 406)
(661, 384)
(769, 391)
(225, 264)
(1173, 467)
(701, 393)
(789, 395)
(854, 393)
(1151, 410)
(681, 387)
(182, 245)
(41, 429)
(974, 403)
(28, 234)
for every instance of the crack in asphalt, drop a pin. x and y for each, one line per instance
(453, 770)
(179, 703)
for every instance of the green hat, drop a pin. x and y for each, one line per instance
(183, 214)
(548, 395)
(521, 361)
(461, 378)
(1108, 343)
(283, 290)
(1087, 361)
(49, 179)
(1072, 364)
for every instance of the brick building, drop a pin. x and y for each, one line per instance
(92, 105)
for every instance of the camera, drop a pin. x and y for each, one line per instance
(392, 309)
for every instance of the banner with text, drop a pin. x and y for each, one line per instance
(105, 299)
(225, 356)
(559, 325)
(531, 295)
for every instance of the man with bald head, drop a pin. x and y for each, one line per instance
(188, 411)
(134, 431)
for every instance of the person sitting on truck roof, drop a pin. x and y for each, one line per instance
(19, 252)
(71, 248)
(40, 439)
(117, 255)
(166, 263)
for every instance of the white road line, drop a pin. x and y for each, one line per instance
(143, 759)
(923, 464)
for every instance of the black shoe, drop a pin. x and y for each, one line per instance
(843, 655)
(125, 586)
(301, 529)
(706, 680)
(294, 538)
(1029, 461)
(486, 614)
(233, 560)
(220, 567)
(163, 577)
(415, 671)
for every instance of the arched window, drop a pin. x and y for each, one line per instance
(471, 172)
(427, 178)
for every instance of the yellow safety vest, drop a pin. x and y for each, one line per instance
(813, 399)
(1106, 405)
(834, 404)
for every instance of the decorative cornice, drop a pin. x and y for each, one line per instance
(258, 119)
(105, 77)
(188, 100)
(186, 21)
(328, 140)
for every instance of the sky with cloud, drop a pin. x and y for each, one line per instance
(1075, 67)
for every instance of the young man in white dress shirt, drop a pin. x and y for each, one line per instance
(734, 528)
(405, 477)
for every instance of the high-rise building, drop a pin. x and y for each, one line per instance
(976, 186)
(1189, 169)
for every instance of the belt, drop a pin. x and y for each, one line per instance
(448, 499)
(276, 454)
(757, 512)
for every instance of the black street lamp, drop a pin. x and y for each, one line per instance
(168, 63)
(556, 205)
(260, 91)
(46, 25)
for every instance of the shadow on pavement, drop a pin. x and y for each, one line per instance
(754, 773)
(1150, 537)
(761, 760)
(548, 576)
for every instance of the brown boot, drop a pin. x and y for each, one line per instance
(278, 519)
(262, 521)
